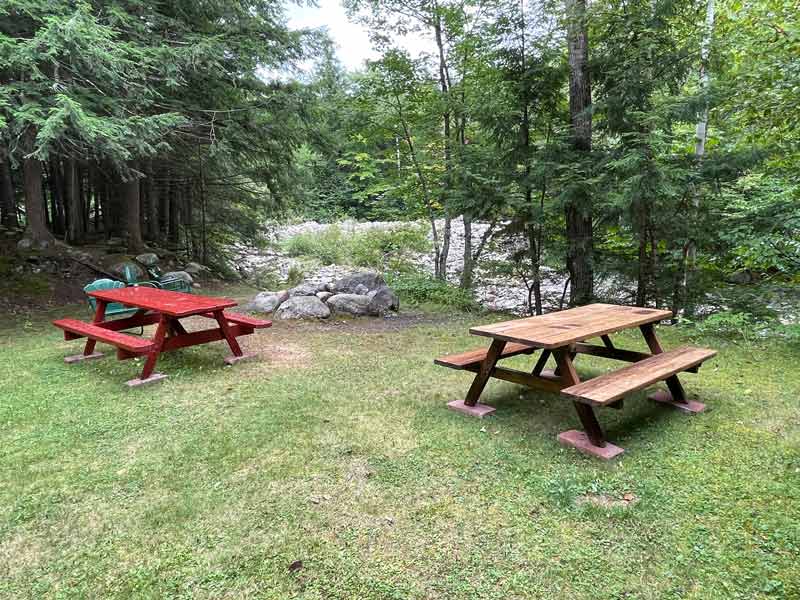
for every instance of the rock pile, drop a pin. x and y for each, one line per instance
(359, 294)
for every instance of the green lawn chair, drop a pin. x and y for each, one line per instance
(114, 308)
(175, 284)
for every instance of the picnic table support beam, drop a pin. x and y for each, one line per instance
(148, 376)
(89, 348)
(591, 440)
(541, 363)
(470, 404)
(676, 396)
(229, 336)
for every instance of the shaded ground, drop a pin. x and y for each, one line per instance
(331, 469)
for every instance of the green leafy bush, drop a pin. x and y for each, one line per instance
(325, 246)
(421, 288)
(380, 249)
(388, 248)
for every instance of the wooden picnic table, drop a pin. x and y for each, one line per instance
(165, 309)
(562, 336)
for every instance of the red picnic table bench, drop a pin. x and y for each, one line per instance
(166, 309)
(563, 335)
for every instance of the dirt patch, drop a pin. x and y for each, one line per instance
(605, 501)
(398, 322)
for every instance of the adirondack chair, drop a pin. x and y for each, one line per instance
(174, 284)
(114, 308)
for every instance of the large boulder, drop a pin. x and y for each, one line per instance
(382, 300)
(367, 280)
(324, 296)
(353, 304)
(268, 301)
(741, 277)
(129, 271)
(148, 259)
(195, 269)
(303, 307)
(304, 289)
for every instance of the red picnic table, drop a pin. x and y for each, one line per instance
(166, 309)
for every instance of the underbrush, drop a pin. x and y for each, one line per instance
(417, 288)
(742, 327)
(380, 249)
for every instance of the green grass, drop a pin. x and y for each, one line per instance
(336, 450)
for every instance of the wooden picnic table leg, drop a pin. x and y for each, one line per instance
(470, 404)
(148, 376)
(540, 364)
(676, 396)
(591, 440)
(238, 355)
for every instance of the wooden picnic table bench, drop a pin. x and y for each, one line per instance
(162, 308)
(562, 336)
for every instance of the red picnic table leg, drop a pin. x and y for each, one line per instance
(676, 396)
(147, 375)
(591, 440)
(225, 327)
(88, 349)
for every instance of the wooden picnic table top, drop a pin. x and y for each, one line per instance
(173, 304)
(558, 329)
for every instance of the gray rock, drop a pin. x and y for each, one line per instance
(135, 272)
(178, 275)
(741, 277)
(148, 259)
(361, 290)
(382, 301)
(304, 289)
(268, 301)
(25, 244)
(354, 304)
(350, 283)
(303, 307)
(194, 268)
(324, 296)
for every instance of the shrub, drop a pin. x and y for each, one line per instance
(325, 246)
(421, 288)
(388, 249)
(379, 249)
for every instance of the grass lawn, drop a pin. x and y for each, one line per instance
(332, 469)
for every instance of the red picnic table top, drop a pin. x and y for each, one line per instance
(174, 304)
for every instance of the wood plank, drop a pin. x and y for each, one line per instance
(609, 388)
(93, 332)
(464, 360)
(174, 304)
(615, 353)
(561, 328)
(538, 382)
(240, 319)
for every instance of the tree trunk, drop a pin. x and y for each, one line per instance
(35, 218)
(689, 256)
(74, 201)
(441, 266)
(174, 200)
(130, 197)
(440, 270)
(8, 200)
(466, 272)
(153, 204)
(578, 208)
